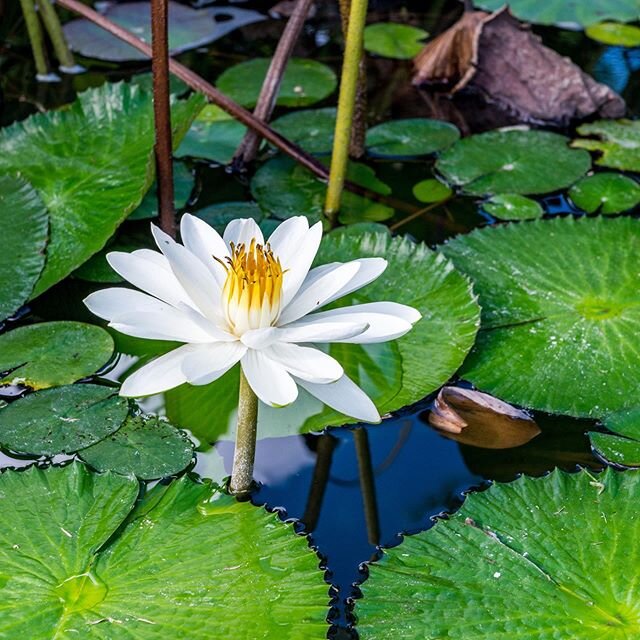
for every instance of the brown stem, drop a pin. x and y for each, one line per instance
(324, 456)
(162, 114)
(248, 148)
(367, 485)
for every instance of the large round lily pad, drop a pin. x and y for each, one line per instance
(621, 447)
(304, 82)
(91, 163)
(145, 446)
(394, 40)
(605, 192)
(190, 562)
(188, 29)
(312, 129)
(394, 374)
(617, 143)
(513, 161)
(567, 12)
(22, 243)
(541, 559)
(410, 137)
(61, 420)
(52, 353)
(561, 312)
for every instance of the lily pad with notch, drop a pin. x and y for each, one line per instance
(61, 420)
(410, 137)
(622, 446)
(51, 354)
(616, 141)
(513, 161)
(22, 246)
(157, 577)
(188, 29)
(606, 192)
(555, 312)
(516, 561)
(394, 40)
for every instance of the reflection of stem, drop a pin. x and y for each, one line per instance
(325, 447)
(34, 29)
(54, 29)
(346, 107)
(248, 148)
(162, 114)
(367, 484)
(245, 451)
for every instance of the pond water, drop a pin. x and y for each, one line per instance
(358, 488)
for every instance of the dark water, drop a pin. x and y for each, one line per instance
(353, 490)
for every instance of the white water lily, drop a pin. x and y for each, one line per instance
(240, 299)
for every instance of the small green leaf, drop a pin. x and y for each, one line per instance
(605, 192)
(312, 129)
(22, 243)
(393, 40)
(616, 141)
(61, 420)
(183, 182)
(517, 562)
(410, 137)
(53, 353)
(614, 33)
(512, 206)
(304, 83)
(431, 191)
(513, 161)
(145, 446)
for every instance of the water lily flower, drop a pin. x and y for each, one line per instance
(238, 298)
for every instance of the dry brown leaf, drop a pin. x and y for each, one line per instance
(478, 419)
(501, 58)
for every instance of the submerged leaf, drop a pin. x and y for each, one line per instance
(177, 564)
(606, 193)
(393, 40)
(517, 561)
(617, 141)
(51, 354)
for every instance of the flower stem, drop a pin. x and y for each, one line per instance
(34, 29)
(54, 29)
(346, 108)
(245, 451)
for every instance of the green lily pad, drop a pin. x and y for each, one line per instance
(623, 446)
(52, 353)
(617, 141)
(312, 129)
(606, 193)
(561, 12)
(145, 446)
(91, 164)
(512, 206)
(393, 40)
(410, 137)
(61, 420)
(214, 135)
(188, 29)
(431, 191)
(22, 244)
(513, 161)
(183, 183)
(517, 561)
(178, 564)
(284, 189)
(221, 214)
(614, 33)
(394, 374)
(304, 83)
(559, 319)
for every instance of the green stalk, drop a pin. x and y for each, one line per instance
(246, 433)
(346, 108)
(54, 29)
(34, 29)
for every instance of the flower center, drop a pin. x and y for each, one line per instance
(252, 290)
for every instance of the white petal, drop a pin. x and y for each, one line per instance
(259, 338)
(116, 301)
(285, 240)
(159, 375)
(242, 231)
(211, 361)
(306, 363)
(344, 396)
(149, 274)
(323, 288)
(194, 277)
(322, 331)
(204, 242)
(269, 379)
(386, 320)
(370, 269)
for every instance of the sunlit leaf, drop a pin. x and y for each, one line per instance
(616, 141)
(410, 137)
(520, 560)
(512, 206)
(393, 40)
(431, 191)
(614, 33)
(606, 193)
